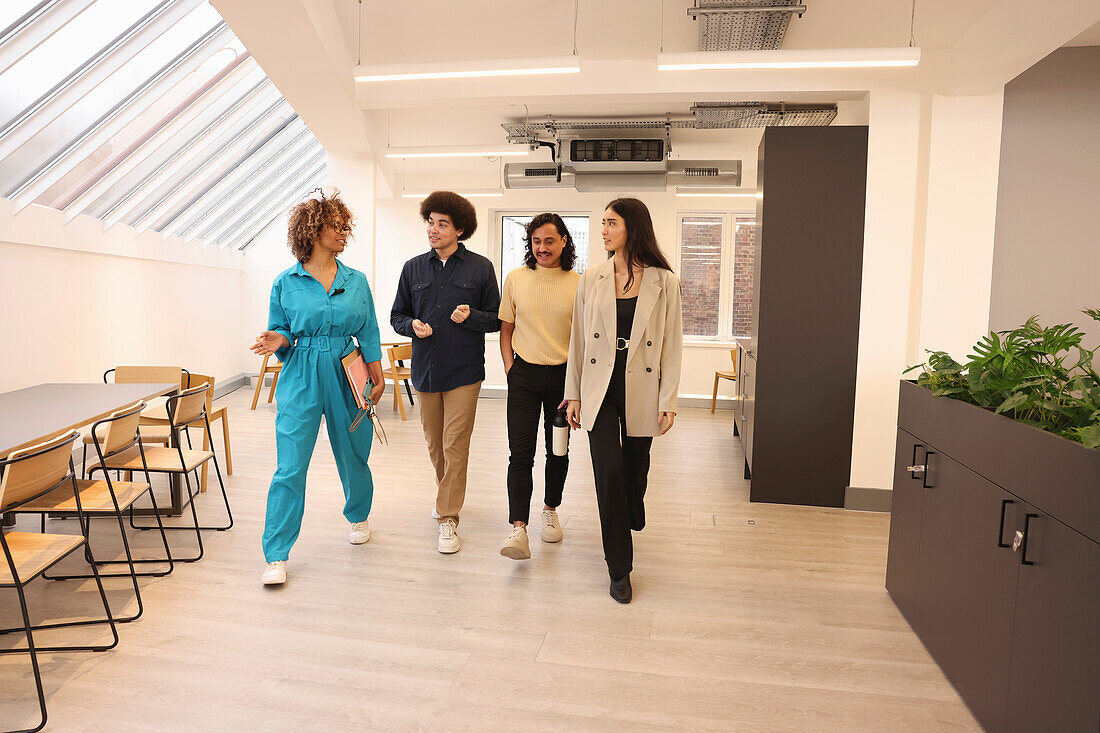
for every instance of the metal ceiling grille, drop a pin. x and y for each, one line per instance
(149, 113)
(704, 116)
(719, 115)
(743, 25)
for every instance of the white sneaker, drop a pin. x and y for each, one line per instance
(275, 573)
(551, 527)
(448, 537)
(435, 514)
(360, 533)
(515, 545)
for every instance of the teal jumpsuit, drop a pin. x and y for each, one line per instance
(320, 326)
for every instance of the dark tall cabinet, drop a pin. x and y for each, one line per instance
(798, 403)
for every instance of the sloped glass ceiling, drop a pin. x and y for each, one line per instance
(148, 113)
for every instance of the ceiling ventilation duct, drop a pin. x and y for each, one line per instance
(620, 176)
(743, 25)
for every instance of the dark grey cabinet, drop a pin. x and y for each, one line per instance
(1055, 671)
(966, 584)
(905, 521)
(1005, 595)
(801, 355)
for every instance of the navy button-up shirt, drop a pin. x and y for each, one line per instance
(454, 355)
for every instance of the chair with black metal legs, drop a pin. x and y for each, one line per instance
(27, 475)
(106, 498)
(184, 409)
(151, 434)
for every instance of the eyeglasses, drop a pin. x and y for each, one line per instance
(345, 229)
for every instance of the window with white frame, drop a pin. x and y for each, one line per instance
(717, 255)
(513, 240)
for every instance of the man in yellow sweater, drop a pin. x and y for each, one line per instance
(536, 315)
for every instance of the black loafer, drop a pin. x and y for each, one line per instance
(621, 590)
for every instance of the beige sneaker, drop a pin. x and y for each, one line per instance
(448, 538)
(515, 545)
(275, 573)
(359, 533)
(551, 527)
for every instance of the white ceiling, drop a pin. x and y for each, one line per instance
(310, 48)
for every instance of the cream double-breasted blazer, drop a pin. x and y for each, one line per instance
(655, 352)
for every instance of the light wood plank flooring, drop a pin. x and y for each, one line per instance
(746, 617)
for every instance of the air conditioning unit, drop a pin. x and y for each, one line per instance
(621, 175)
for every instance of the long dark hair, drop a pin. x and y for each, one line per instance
(641, 241)
(568, 252)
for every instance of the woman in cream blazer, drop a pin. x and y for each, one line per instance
(623, 373)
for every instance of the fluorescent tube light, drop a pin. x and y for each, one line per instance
(825, 58)
(469, 69)
(464, 195)
(458, 151)
(727, 193)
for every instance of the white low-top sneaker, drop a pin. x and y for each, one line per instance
(448, 537)
(359, 533)
(515, 545)
(275, 573)
(551, 527)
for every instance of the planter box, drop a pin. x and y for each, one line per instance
(995, 561)
(1060, 477)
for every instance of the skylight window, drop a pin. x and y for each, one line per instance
(149, 113)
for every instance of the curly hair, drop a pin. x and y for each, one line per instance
(568, 252)
(307, 219)
(458, 208)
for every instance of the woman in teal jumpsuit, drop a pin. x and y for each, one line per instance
(317, 308)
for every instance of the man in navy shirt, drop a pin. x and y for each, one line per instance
(447, 300)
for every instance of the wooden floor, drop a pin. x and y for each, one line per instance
(745, 616)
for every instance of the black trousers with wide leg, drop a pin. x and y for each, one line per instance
(620, 465)
(533, 390)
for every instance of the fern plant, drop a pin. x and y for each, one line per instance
(1038, 375)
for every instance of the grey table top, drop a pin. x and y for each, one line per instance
(28, 415)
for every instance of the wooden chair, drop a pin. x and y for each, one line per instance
(27, 475)
(155, 419)
(264, 371)
(184, 409)
(105, 498)
(398, 374)
(732, 376)
(154, 434)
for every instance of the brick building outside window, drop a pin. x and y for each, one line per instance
(717, 255)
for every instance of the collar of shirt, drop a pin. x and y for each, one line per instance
(343, 272)
(460, 253)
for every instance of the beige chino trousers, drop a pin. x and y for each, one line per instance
(448, 421)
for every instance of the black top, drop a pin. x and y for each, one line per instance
(624, 312)
(454, 355)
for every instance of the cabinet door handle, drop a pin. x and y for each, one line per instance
(927, 469)
(1001, 532)
(1023, 551)
(915, 468)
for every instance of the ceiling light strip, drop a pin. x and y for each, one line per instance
(483, 194)
(829, 58)
(469, 69)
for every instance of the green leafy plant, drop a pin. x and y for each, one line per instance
(1038, 375)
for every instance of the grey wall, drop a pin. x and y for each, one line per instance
(1046, 258)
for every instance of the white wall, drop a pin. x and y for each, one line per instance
(77, 301)
(962, 213)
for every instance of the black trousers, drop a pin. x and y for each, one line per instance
(620, 465)
(533, 389)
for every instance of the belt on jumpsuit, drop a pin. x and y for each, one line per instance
(324, 343)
